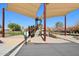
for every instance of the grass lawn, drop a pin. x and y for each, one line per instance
(12, 33)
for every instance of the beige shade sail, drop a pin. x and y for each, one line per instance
(52, 9)
(27, 9)
(60, 9)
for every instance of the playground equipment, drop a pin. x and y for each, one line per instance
(50, 10)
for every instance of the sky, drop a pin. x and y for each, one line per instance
(25, 21)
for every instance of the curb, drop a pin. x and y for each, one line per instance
(15, 52)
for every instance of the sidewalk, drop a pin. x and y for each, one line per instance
(9, 43)
(48, 40)
(69, 38)
(59, 39)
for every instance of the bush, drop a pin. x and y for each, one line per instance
(12, 33)
(0, 31)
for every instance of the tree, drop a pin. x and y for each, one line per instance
(14, 27)
(76, 27)
(59, 24)
(0, 29)
(0, 26)
(17, 27)
(77, 23)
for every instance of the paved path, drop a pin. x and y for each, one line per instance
(52, 47)
(48, 40)
(68, 38)
(63, 46)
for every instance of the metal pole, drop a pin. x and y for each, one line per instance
(40, 21)
(3, 22)
(44, 21)
(36, 23)
(65, 26)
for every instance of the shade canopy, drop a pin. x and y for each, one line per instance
(60, 9)
(27, 9)
(52, 9)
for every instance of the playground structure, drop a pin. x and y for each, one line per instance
(50, 10)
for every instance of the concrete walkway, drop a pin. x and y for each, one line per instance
(68, 38)
(61, 46)
(59, 39)
(9, 43)
(48, 40)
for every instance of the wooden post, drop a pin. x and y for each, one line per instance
(65, 25)
(3, 22)
(44, 21)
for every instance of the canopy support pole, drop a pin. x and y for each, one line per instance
(65, 26)
(44, 21)
(3, 22)
(36, 22)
